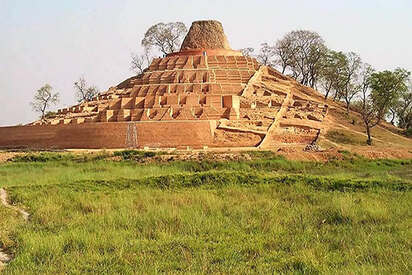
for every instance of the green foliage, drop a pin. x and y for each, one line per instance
(332, 69)
(42, 157)
(59, 157)
(267, 215)
(164, 37)
(264, 154)
(387, 87)
(218, 179)
(403, 108)
(50, 114)
(134, 154)
(302, 52)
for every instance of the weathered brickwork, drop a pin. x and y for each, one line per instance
(196, 97)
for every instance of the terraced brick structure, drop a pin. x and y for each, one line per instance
(204, 95)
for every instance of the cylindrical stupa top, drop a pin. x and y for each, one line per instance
(207, 34)
(206, 38)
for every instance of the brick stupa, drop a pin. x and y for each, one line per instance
(204, 95)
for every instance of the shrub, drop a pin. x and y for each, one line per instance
(42, 157)
(263, 154)
(59, 156)
(134, 154)
(50, 114)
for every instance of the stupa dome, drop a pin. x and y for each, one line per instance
(207, 34)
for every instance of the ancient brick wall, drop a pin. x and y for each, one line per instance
(109, 135)
(204, 95)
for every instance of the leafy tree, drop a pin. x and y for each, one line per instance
(403, 109)
(162, 37)
(83, 91)
(302, 52)
(348, 85)
(385, 89)
(341, 73)
(315, 61)
(43, 99)
(364, 79)
(165, 37)
(332, 70)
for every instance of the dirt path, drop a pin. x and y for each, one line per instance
(4, 257)
(3, 198)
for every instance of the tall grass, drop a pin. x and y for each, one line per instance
(267, 215)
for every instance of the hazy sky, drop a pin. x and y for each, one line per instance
(57, 41)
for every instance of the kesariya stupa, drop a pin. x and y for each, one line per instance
(204, 95)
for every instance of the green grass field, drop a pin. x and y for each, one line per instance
(265, 215)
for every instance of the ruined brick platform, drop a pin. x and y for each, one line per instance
(205, 95)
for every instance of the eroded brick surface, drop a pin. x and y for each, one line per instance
(241, 102)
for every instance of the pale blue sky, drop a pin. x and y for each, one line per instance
(57, 41)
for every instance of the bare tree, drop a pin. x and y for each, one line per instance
(247, 51)
(83, 91)
(43, 99)
(284, 51)
(140, 62)
(266, 54)
(166, 38)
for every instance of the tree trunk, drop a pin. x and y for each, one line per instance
(393, 118)
(368, 131)
(335, 96)
(43, 111)
(327, 94)
(312, 82)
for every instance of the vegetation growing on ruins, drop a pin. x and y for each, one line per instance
(342, 77)
(43, 99)
(102, 213)
(303, 54)
(386, 89)
(83, 91)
